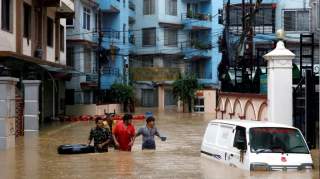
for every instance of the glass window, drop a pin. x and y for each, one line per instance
(70, 56)
(124, 33)
(149, 37)
(49, 32)
(171, 7)
(276, 140)
(86, 18)
(296, 20)
(69, 22)
(170, 37)
(61, 38)
(148, 7)
(6, 15)
(26, 20)
(87, 60)
(318, 17)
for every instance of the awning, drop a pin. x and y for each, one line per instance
(20, 62)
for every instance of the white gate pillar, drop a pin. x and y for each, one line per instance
(280, 83)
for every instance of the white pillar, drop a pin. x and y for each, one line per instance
(280, 84)
(7, 112)
(31, 105)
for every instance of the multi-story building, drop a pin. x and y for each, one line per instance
(293, 17)
(81, 52)
(115, 41)
(33, 46)
(172, 37)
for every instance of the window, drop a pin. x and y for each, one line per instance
(124, 33)
(240, 141)
(124, 3)
(69, 22)
(199, 104)
(171, 7)
(49, 32)
(96, 22)
(296, 20)
(170, 37)
(6, 15)
(26, 20)
(146, 61)
(61, 38)
(149, 37)
(148, 7)
(87, 61)
(276, 140)
(86, 18)
(318, 16)
(70, 56)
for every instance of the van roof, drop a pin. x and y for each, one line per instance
(250, 123)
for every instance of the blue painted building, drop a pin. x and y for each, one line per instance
(172, 37)
(200, 20)
(115, 41)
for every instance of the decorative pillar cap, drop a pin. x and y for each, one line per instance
(279, 53)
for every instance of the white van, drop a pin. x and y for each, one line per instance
(256, 145)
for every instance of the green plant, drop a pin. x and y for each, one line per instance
(184, 88)
(122, 93)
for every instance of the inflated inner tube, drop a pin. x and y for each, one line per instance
(75, 149)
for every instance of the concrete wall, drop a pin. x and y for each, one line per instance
(92, 109)
(242, 106)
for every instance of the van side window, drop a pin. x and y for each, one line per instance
(240, 141)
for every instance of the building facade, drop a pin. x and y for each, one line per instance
(115, 41)
(170, 38)
(33, 46)
(81, 53)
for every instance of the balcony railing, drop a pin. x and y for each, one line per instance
(112, 34)
(154, 74)
(132, 6)
(92, 77)
(197, 16)
(110, 71)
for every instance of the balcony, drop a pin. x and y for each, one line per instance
(132, 6)
(197, 49)
(90, 83)
(92, 77)
(196, 21)
(110, 71)
(110, 39)
(109, 6)
(154, 74)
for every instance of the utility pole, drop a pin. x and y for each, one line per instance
(99, 54)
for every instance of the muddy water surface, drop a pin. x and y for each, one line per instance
(35, 156)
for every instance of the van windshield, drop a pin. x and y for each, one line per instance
(276, 140)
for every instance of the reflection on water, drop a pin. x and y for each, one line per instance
(35, 155)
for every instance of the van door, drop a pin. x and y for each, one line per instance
(238, 155)
(225, 141)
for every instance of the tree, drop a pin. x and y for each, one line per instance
(123, 94)
(184, 88)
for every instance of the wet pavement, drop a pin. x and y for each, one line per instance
(35, 156)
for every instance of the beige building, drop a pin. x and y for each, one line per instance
(33, 46)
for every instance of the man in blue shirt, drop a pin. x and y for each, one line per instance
(148, 132)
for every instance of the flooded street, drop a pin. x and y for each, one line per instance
(179, 157)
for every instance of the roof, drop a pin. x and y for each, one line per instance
(250, 123)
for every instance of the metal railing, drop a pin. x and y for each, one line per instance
(197, 16)
(110, 71)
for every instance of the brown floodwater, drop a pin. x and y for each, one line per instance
(35, 155)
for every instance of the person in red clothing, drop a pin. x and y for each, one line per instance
(123, 133)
